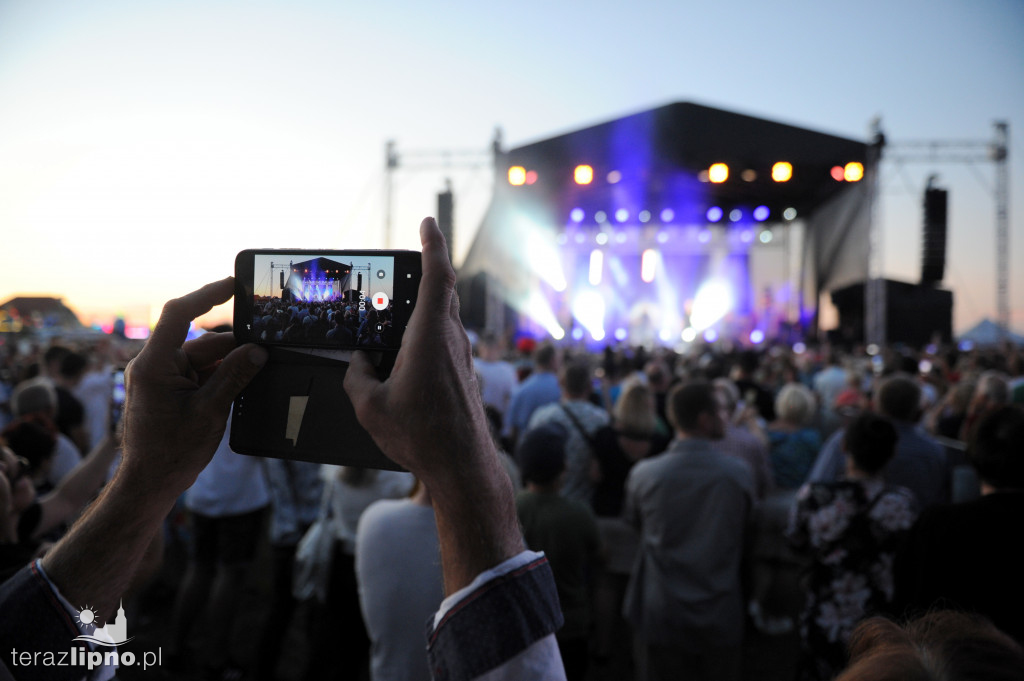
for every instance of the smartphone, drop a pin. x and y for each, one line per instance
(325, 298)
(116, 399)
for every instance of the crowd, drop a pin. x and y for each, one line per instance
(686, 499)
(341, 322)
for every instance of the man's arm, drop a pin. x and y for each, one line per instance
(502, 606)
(178, 397)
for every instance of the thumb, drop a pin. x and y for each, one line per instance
(232, 375)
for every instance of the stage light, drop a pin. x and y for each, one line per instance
(713, 301)
(668, 215)
(749, 175)
(761, 213)
(872, 349)
(853, 172)
(799, 348)
(601, 238)
(702, 176)
(746, 236)
(665, 335)
(648, 265)
(580, 238)
(757, 336)
(622, 215)
(704, 236)
(789, 213)
(735, 215)
(662, 237)
(718, 173)
(714, 214)
(545, 260)
(577, 215)
(614, 177)
(838, 174)
(620, 334)
(588, 310)
(710, 336)
(782, 171)
(562, 239)
(620, 237)
(766, 236)
(538, 309)
(577, 333)
(600, 217)
(517, 176)
(583, 174)
(531, 176)
(596, 266)
(689, 334)
(644, 216)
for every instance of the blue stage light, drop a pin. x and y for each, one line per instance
(622, 215)
(761, 213)
(757, 336)
(714, 214)
(577, 215)
(735, 215)
(668, 215)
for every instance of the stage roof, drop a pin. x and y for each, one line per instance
(658, 155)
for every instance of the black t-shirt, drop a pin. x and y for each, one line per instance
(70, 411)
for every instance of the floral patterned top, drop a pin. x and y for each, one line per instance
(852, 529)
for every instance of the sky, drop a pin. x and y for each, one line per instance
(143, 143)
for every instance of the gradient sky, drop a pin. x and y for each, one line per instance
(143, 143)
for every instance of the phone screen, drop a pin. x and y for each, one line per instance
(329, 299)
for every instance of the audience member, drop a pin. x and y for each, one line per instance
(37, 398)
(398, 565)
(566, 531)
(581, 419)
(793, 443)
(965, 556)
(538, 389)
(339, 622)
(692, 507)
(227, 504)
(920, 463)
(851, 529)
(743, 439)
(296, 488)
(940, 646)
(497, 377)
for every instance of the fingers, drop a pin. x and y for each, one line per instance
(172, 328)
(205, 351)
(233, 374)
(360, 383)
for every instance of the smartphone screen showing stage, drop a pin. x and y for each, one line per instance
(344, 299)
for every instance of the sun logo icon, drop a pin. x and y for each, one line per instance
(87, 616)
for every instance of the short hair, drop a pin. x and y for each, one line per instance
(870, 440)
(544, 356)
(33, 396)
(541, 453)
(576, 378)
(996, 448)
(940, 645)
(795, 403)
(686, 402)
(73, 365)
(55, 354)
(634, 410)
(899, 397)
(994, 387)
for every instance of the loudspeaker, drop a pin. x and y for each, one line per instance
(933, 252)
